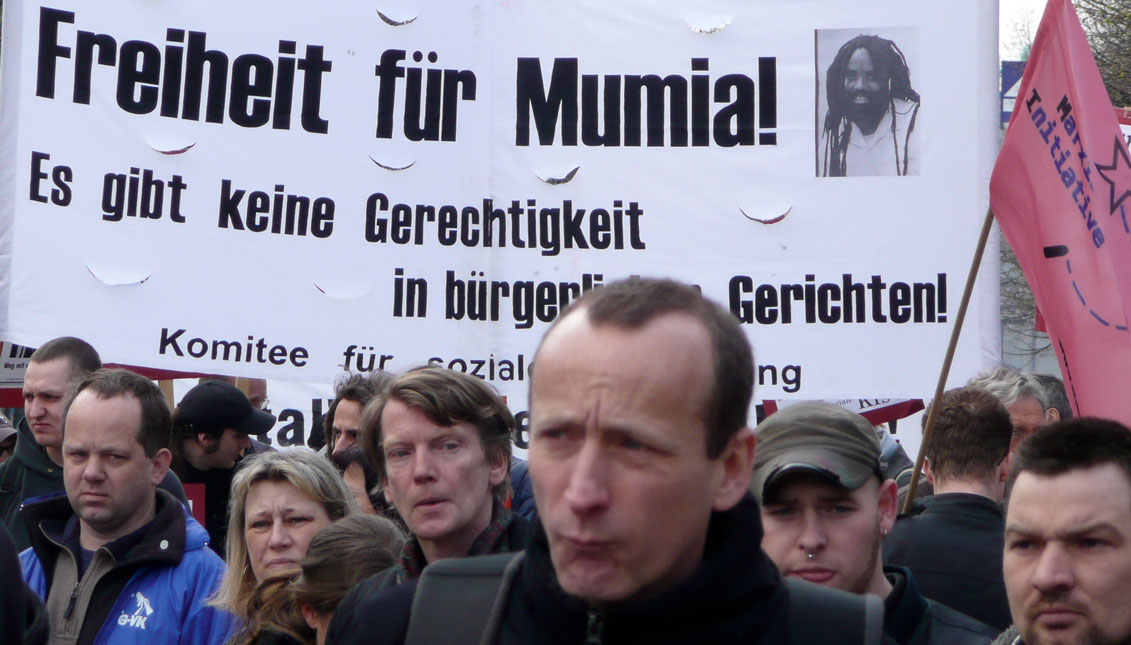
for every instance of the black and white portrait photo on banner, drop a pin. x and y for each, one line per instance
(867, 104)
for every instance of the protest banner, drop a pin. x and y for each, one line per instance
(1060, 192)
(259, 189)
(13, 364)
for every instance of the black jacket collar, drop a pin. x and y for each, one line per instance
(735, 595)
(904, 607)
(162, 544)
(967, 504)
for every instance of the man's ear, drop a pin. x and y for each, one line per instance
(160, 462)
(927, 472)
(205, 440)
(309, 615)
(1052, 415)
(1003, 468)
(737, 462)
(888, 505)
(498, 463)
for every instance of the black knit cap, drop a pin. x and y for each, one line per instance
(213, 406)
(818, 438)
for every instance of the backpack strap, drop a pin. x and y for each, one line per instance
(461, 600)
(840, 613)
(873, 619)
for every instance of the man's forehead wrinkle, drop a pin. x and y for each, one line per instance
(1063, 530)
(1059, 505)
(1063, 520)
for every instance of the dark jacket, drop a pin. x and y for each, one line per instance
(30, 474)
(911, 619)
(522, 491)
(22, 616)
(953, 543)
(735, 596)
(217, 484)
(362, 617)
(149, 587)
(505, 534)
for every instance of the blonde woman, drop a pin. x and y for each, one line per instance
(294, 609)
(279, 501)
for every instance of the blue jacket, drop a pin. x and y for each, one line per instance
(164, 578)
(522, 491)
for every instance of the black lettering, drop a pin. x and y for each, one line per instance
(217, 62)
(900, 299)
(654, 87)
(139, 66)
(50, 49)
(170, 342)
(37, 176)
(251, 77)
(313, 66)
(741, 307)
(61, 176)
(532, 99)
(230, 206)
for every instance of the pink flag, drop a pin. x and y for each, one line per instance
(1061, 191)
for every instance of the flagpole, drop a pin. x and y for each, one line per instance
(949, 358)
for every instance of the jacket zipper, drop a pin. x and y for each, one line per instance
(596, 627)
(71, 602)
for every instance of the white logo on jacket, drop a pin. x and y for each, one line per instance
(140, 615)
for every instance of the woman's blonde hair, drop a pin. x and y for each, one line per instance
(312, 474)
(343, 554)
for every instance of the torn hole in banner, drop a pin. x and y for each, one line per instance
(396, 16)
(342, 290)
(169, 145)
(118, 277)
(555, 173)
(765, 215)
(704, 22)
(393, 166)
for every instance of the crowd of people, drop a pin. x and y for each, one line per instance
(648, 510)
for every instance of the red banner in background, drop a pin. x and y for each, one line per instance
(876, 411)
(195, 495)
(1061, 191)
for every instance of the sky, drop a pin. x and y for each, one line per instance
(1016, 16)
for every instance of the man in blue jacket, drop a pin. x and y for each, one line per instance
(116, 560)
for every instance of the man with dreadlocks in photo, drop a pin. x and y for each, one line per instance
(870, 123)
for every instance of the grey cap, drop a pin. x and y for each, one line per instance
(6, 428)
(818, 438)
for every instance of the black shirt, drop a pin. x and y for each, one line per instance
(217, 487)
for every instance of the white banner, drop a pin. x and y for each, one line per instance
(259, 189)
(13, 364)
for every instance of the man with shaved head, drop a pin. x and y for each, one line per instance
(36, 467)
(1067, 556)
